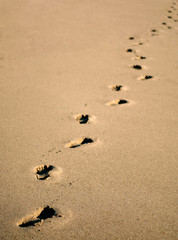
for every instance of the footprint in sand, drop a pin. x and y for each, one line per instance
(137, 67)
(163, 23)
(145, 77)
(169, 11)
(129, 50)
(154, 32)
(137, 44)
(169, 17)
(116, 87)
(117, 102)
(79, 142)
(139, 58)
(82, 118)
(42, 171)
(131, 38)
(38, 217)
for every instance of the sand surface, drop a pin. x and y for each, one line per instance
(58, 59)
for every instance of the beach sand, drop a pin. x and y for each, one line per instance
(112, 177)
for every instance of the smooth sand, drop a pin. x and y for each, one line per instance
(58, 59)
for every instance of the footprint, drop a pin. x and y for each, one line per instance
(169, 11)
(169, 16)
(145, 77)
(137, 44)
(38, 216)
(129, 50)
(138, 67)
(42, 171)
(79, 142)
(116, 87)
(154, 32)
(163, 23)
(82, 118)
(169, 27)
(116, 102)
(131, 38)
(139, 57)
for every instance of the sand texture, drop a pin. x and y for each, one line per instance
(88, 124)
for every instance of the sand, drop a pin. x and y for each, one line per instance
(60, 59)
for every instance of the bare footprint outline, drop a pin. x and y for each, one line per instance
(145, 77)
(79, 142)
(38, 216)
(117, 102)
(82, 118)
(42, 171)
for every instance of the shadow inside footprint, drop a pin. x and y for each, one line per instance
(47, 212)
(86, 141)
(131, 38)
(129, 50)
(169, 16)
(163, 23)
(42, 171)
(82, 119)
(138, 67)
(122, 101)
(116, 87)
(79, 142)
(38, 216)
(148, 77)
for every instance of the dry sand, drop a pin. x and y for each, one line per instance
(58, 59)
